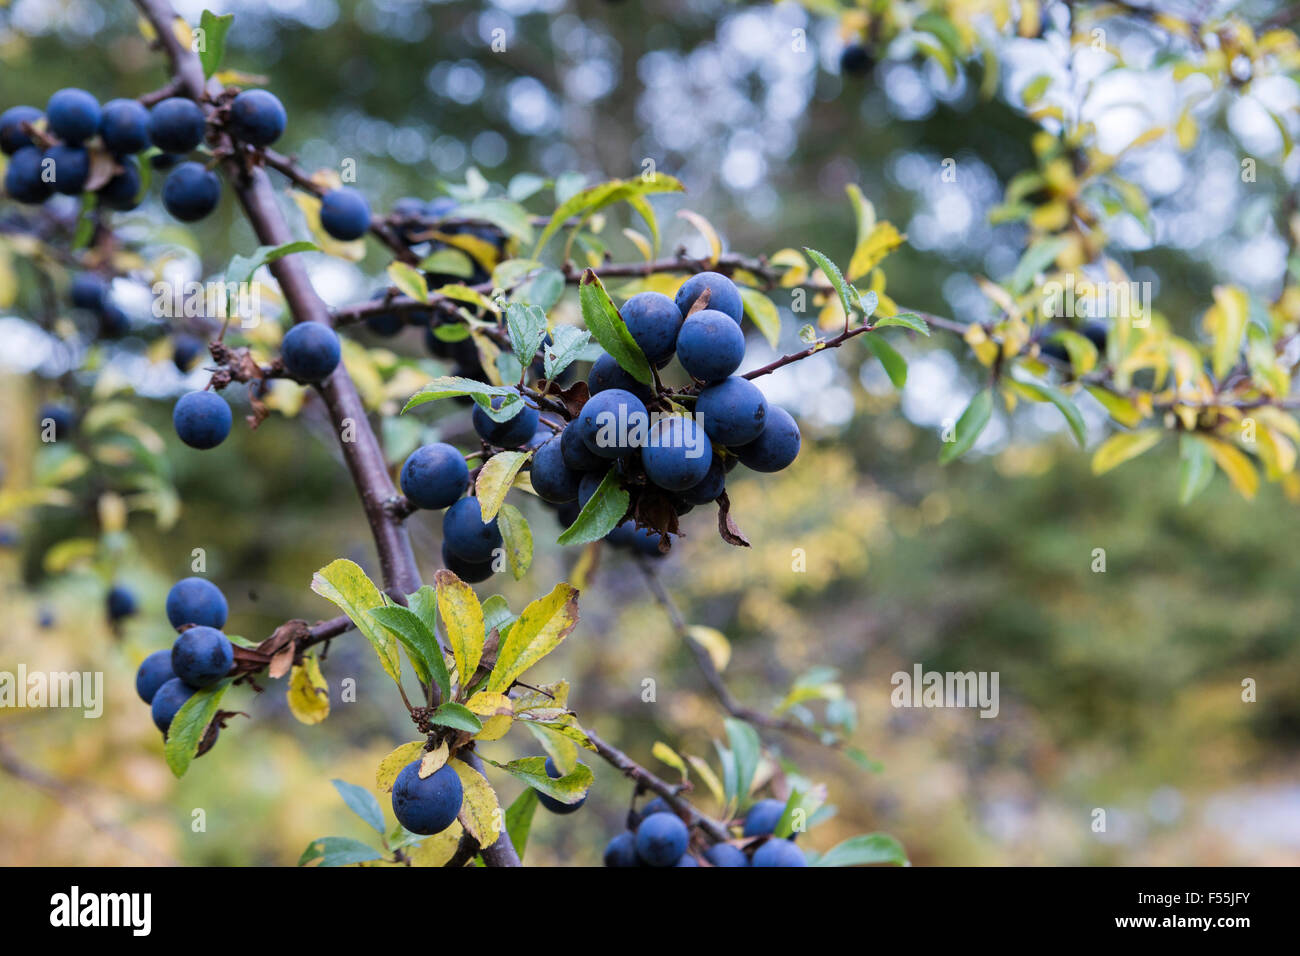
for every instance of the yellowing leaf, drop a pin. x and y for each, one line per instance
(388, 769)
(795, 265)
(539, 630)
(344, 583)
(1225, 321)
(495, 479)
(308, 694)
(438, 849)
(1120, 448)
(496, 712)
(462, 615)
(433, 761)
(763, 313)
(1235, 465)
(707, 230)
(480, 813)
(713, 641)
(1120, 408)
(666, 754)
(871, 251)
(410, 280)
(709, 777)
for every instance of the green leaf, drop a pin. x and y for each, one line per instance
(457, 716)
(361, 802)
(607, 327)
(519, 819)
(517, 538)
(539, 630)
(190, 723)
(908, 320)
(495, 480)
(570, 788)
(1040, 254)
(895, 365)
(524, 186)
(867, 848)
(763, 313)
(600, 515)
(241, 268)
(526, 325)
(424, 604)
(969, 426)
(453, 386)
(510, 217)
(496, 615)
(214, 40)
(864, 761)
(1119, 448)
(745, 750)
(1195, 470)
(410, 280)
(338, 851)
(1065, 403)
(567, 344)
(449, 261)
(592, 200)
(419, 639)
(346, 585)
(837, 279)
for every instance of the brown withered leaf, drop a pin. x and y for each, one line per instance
(726, 527)
(282, 646)
(103, 167)
(700, 303)
(574, 397)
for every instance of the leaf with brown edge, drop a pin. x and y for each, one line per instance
(480, 813)
(727, 527)
(462, 616)
(392, 764)
(539, 630)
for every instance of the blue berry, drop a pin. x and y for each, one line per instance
(661, 839)
(577, 456)
(606, 374)
(196, 600)
(710, 345)
(202, 656)
(73, 115)
(155, 670)
(177, 125)
(24, 181)
(186, 350)
(621, 851)
(191, 192)
(511, 433)
(549, 802)
(88, 291)
(465, 534)
(763, 817)
(61, 417)
(708, 488)
(71, 166)
(776, 447)
(12, 137)
(124, 127)
(734, 411)
(123, 190)
(202, 419)
(344, 214)
(257, 117)
(613, 423)
(430, 805)
(776, 852)
(168, 700)
(654, 321)
(677, 454)
(310, 351)
(551, 478)
(687, 860)
(723, 294)
(471, 572)
(121, 603)
(724, 854)
(434, 476)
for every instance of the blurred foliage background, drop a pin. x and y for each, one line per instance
(1119, 690)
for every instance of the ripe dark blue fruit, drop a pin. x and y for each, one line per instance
(257, 117)
(763, 817)
(202, 656)
(113, 322)
(776, 447)
(734, 411)
(657, 805)
(176, 125)
(202, 419)
(606, 374)
(661, 839)
(551, 478)
(168, 700)
(613, 423)
(344, 214)
(434, 476)
(549, 802)
(708, 488)
(23, 180)
(123, 190)
(723, 294)
(1094, 330)
(191, 192)
(121, 603)
(856, 60)
(155, 670)
(124, 127)
(677, 454)
(186, 350)
(724, 854)
(508, 434)
(710, 345)
(687, 860)
(196, 601)
(61, 417)
(430, 805)
(654, 321)
(310, 351)
(777, 852)
(621, 851)
(12, 137)
(465, 534)
(88, 291)
(73, 115)
(70, 166)
(575, 452)
(587, 486)
(386, 324)
(471, 572)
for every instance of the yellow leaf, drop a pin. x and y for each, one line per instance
(713, 641)
(1187, 131)
(863, 211)
(666, 754)
(1120, 448)
(462, 615)
(112, 512)
(539, 630)
(762, 312)
(709, 777)
(496, 712)
(480, 813)
(67, 553)
(438, 849)
(392, 765)
(308, 694)
(433, 761)
(344, 583)
(1119, 407)
(495, 479)
(641, 242)
(702, 224)
(871, 251)
(410, 280)
(795, 265)
(986, 350)
(1235, 465)
(309, 206)
(1225, 322)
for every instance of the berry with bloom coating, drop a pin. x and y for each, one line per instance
(472, 572)
(576, 453)
(710, 345)
(202, 419)
(613, 422)
(434, 476)
(551, 478)
(310, 351)
(155, 670)
(734, 411)
(124, 127)
(763, 817)
(202, 656)
(73, 115)
(709, 488)
(122, 192)
(257, 117)
(176, 125)
(121, 603)
(196, 600)
(12, 137)
(430, 805)
(654, 321)
(191, 192)
(621, 851)
(723, 294)
(661, 839)
(168, 700)
(344, 214)
(724, 854)
(776, 447)
(778, 852)
(71, 166)
(510, 433)
(465, 534)
(606, 374)
(23, 181)
(677, 454)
